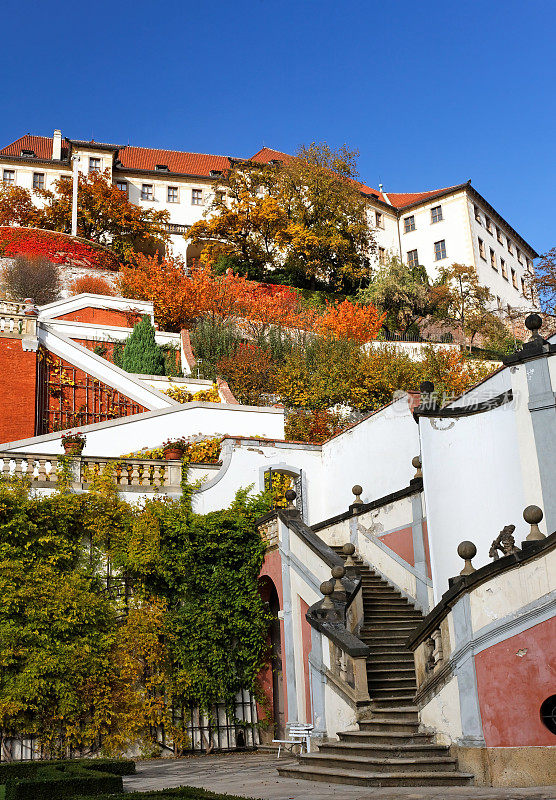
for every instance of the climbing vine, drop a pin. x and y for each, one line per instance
(114, 616)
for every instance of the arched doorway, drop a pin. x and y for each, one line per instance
(271, 678)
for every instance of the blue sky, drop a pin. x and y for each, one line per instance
(431, 94)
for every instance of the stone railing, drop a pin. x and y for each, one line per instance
(139, 474)
(14, 324)
(337, 616)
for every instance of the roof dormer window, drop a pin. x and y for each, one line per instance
(215, 173)
(29, 153)
(162, 168)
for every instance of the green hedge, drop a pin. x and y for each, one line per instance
(28, 769)
(183, 793)
(56, 783)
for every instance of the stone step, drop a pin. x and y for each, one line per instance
(396, 660)
(316, 772)
(386, 748)
(392, 694)
(385, 703)
(393, 711)
(395, 739)
(396, 725)
(343, 757)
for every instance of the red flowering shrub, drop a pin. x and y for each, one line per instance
(92, 284)
(59, 248)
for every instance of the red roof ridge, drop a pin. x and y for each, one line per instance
(167, 150)
(408, 198)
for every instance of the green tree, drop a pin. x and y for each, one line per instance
(463, 301)
(402, 291)
(141, 353)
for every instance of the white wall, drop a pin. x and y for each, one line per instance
(151, 429)
(473, 486)
(376, 453)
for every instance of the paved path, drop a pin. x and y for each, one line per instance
(254, 775)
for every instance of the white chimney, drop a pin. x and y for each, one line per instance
(57, 146)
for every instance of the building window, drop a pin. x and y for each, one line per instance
(440, 250)
(172, 194)
(498, 302)
(147, 191)
(493, 259)
(94, 164)
(197, 197)
(436, 214)
(38, 180)
(514, 278)
(477, 213)
(379, 219)
(529, 265)
(503, 269)
(499, 235)
(523, 287)
(220, 197)
(482, 249)
(412, 258)
(518, 255)
(381, 255)
(409, 224)
(488, 224)
(8, 176)
(122, 186)
(509, 245)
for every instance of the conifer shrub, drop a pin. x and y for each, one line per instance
(141, 353)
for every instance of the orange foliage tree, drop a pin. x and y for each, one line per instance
(350, 321)
(251, 372)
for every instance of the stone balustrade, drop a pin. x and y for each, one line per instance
(136, 474)
(14, 324)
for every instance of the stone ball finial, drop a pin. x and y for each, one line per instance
(327, 588)
(426, 387)
(533, 322)
(348, 550)
(532, 516)
(290, 496)
(357, 490)
(338, 573)
(467, 551)
(416, 462)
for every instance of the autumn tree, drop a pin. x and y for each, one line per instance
(17, 207)
(346, 320)
(302, 222)
(251, 373)
(543, 281)
(460, 299)
(402, 292)
(105, 215)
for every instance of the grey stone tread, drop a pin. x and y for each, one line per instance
(376, 778)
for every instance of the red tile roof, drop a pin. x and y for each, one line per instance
(176, 161)
(146, 158)
(403, 199)
(41, 145)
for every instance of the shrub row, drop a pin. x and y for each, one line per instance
(28, 769)
(58, 783)
(183, 793)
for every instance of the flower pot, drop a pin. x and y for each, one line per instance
(73, 448)
(173, 454)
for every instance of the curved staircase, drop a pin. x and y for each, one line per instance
(388, 749)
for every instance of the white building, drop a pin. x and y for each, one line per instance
(434, 228)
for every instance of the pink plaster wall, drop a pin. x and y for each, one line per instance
(513, 678)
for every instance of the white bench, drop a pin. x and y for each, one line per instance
(299, 733)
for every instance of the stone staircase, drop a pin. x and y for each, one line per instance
(388, 749)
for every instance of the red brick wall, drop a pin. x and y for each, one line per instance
(102, 316)
(17, 391)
